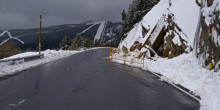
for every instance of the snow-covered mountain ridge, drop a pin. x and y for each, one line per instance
(53, 35)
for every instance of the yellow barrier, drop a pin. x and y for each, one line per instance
(112, 51)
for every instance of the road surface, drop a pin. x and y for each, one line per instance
(87, 81)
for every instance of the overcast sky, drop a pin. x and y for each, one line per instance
(20, 14)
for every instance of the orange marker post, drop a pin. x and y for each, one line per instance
(210, 46)
(110, 52)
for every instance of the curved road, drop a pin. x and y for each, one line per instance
(87, 81)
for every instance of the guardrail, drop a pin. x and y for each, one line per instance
(128, 57)
(27, 58)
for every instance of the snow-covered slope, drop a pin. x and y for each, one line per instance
(186, 14)
(53, 35)
(184, 69)
(100, 31)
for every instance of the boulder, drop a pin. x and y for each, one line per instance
(125, 49)
(209, 2)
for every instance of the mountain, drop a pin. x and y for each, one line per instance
(51, 36)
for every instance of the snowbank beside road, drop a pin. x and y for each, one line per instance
(187, 71)
(8, 68)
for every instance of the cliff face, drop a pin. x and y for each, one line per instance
(169, 29)
(210, 15)
(174, 27)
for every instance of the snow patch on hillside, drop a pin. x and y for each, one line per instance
(10, 37)
(92, 24)
(100, 31)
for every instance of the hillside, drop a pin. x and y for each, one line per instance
(173, 39)
(53, 35)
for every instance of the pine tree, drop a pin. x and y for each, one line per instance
(87, 42)
(137, 10)
(78, 42)
(123, 15)
(65, 43)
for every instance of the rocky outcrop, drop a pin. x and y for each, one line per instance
(209, 2)
(135, 46)
(167, 38)
(204, 39)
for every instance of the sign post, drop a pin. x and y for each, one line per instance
(110, 52)
(39, 46)
(210, 46)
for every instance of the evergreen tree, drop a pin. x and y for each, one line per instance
(65, 43)
(123, 15)
(87, 42)
(78, 42)
(96, 43)
(137, 10)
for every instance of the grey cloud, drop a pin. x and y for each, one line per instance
(25, 13)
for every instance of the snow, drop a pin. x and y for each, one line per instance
(157, 30)
(149, 20)
(10, 37)
(187, 71)
(21, 55)
(8, 68)
(207, 11)
(92, 24)
(186, 14)
(100, 31)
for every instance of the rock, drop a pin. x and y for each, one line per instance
(135, 46)
(125, 49)
(144, 31)
(209, 2)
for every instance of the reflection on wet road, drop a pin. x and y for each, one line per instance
(87, 81)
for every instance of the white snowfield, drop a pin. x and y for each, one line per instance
(185, 69)
(8, 68)
(100, 31)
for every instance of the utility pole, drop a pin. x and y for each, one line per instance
(210, 46)
(40, 35)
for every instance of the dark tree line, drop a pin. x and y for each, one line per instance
(84, 42)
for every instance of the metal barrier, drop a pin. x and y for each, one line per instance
(127, 55)
(27, 58)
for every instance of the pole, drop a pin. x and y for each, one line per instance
(210, 46)
(110, 53)
(39, 46)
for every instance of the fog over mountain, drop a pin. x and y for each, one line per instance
(20, 14)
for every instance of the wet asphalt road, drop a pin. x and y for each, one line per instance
(87, 81)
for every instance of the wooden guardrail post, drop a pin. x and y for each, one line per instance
(125, 58)
(143, 61)
(110, 53)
